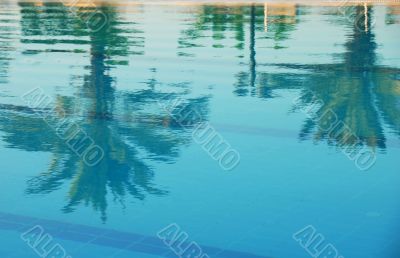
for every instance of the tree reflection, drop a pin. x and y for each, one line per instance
(7, 34)
(220, 23)
(356, 90)
(129, 126)
(214, 22)
(279, 20)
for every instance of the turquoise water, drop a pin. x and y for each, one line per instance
(263, 78)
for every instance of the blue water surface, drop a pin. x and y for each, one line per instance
(298, 92)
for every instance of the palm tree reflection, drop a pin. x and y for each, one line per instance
(132, 130)
(356, 90)
(128, 126)
(7, 34)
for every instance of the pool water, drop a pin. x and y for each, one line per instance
(302, 102)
